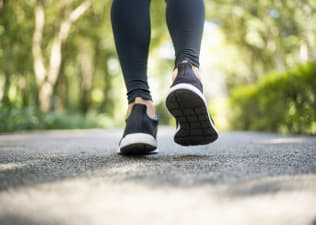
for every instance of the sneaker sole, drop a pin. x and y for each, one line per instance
(138, 144)
(188, 105)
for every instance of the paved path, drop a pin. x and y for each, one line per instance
(75, 178)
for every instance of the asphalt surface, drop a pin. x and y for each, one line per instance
(76, 178)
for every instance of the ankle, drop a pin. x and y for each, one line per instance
(195, 70)
(149, 104)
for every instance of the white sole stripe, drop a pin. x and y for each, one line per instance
(137, 138)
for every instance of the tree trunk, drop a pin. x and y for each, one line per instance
(46, 77)
(86, 79)
(7, 82)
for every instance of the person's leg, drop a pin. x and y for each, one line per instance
(131, 29)
(185, 100)
(185, 20)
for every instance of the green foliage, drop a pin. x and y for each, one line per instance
(268, 34)
(15, 119)
(282, 102)
(263, 35)
(164, 115)
(31, 118)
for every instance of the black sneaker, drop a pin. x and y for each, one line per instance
(140, 133)
(187, 104)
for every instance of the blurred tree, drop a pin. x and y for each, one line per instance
(47, 75)
(269, 34)
(15, 61)
(60, 55)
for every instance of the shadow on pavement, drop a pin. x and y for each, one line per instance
(17, 219)
(240, 168)
(162, 170)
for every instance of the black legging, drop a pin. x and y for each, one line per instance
(131, 28)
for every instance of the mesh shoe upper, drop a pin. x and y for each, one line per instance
(186, 75)
(139, 122)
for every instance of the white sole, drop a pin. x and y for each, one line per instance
(140, 141)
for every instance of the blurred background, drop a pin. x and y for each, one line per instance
(59, 68)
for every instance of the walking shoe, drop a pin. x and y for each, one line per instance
(187, 104)
(139, 137)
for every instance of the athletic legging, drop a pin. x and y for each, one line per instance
(131, 29)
